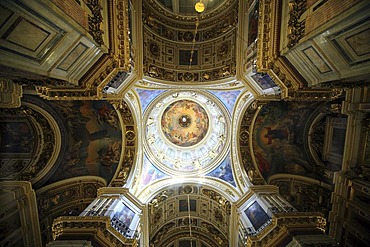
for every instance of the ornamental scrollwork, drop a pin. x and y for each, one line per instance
(95, 21)
(296, 27)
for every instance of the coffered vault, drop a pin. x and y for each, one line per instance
(147, 123)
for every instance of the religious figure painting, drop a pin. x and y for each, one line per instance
(94, 139)
(149, 173)
(279, 140)
(256, 215)
(224, 172)
(16, 137)
(125, 215)
(184, 123)
(264, 80)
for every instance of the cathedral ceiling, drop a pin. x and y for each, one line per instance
(189, 47)
(166, 98)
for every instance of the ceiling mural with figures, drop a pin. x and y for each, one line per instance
(281, 140)
(94, 139)
(184, 123)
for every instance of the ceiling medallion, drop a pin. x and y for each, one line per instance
(186, 132)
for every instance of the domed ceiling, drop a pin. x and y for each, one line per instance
(186, 131)
(182, 45)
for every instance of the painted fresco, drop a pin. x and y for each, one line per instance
(224, 172)
(256, 215)
(125, 215)
(94, 137)
(264, 80)
(184, 123)
(278, 140)
(16, 137)
(146, 96)
(228, 98)
(149, 173)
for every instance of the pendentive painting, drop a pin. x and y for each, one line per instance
(94, 139)
(279, 136)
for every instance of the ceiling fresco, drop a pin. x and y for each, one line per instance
(149, 174)
(184, 123)
(224, 172)
(146, 96)
(228, 98)
(280, 140)
(94, 139)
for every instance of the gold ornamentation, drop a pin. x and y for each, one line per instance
(115, 61)
(296, 27)
(95, 21)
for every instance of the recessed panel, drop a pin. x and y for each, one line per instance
(72, 57)
(21, 32)
(314, 57)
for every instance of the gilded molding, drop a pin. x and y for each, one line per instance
(66, 197)
(250, 168)
(268, 54)
(282, 223)
(209, 220)
(29, 168)
(129, 149)
(10, 94)
(99, 227)
(115, 60)
(181, 18)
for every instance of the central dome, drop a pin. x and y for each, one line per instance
(186, 132)
(184, 123)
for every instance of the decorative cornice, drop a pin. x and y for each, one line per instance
(98, 227)
(115, 60)
(283, 223)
